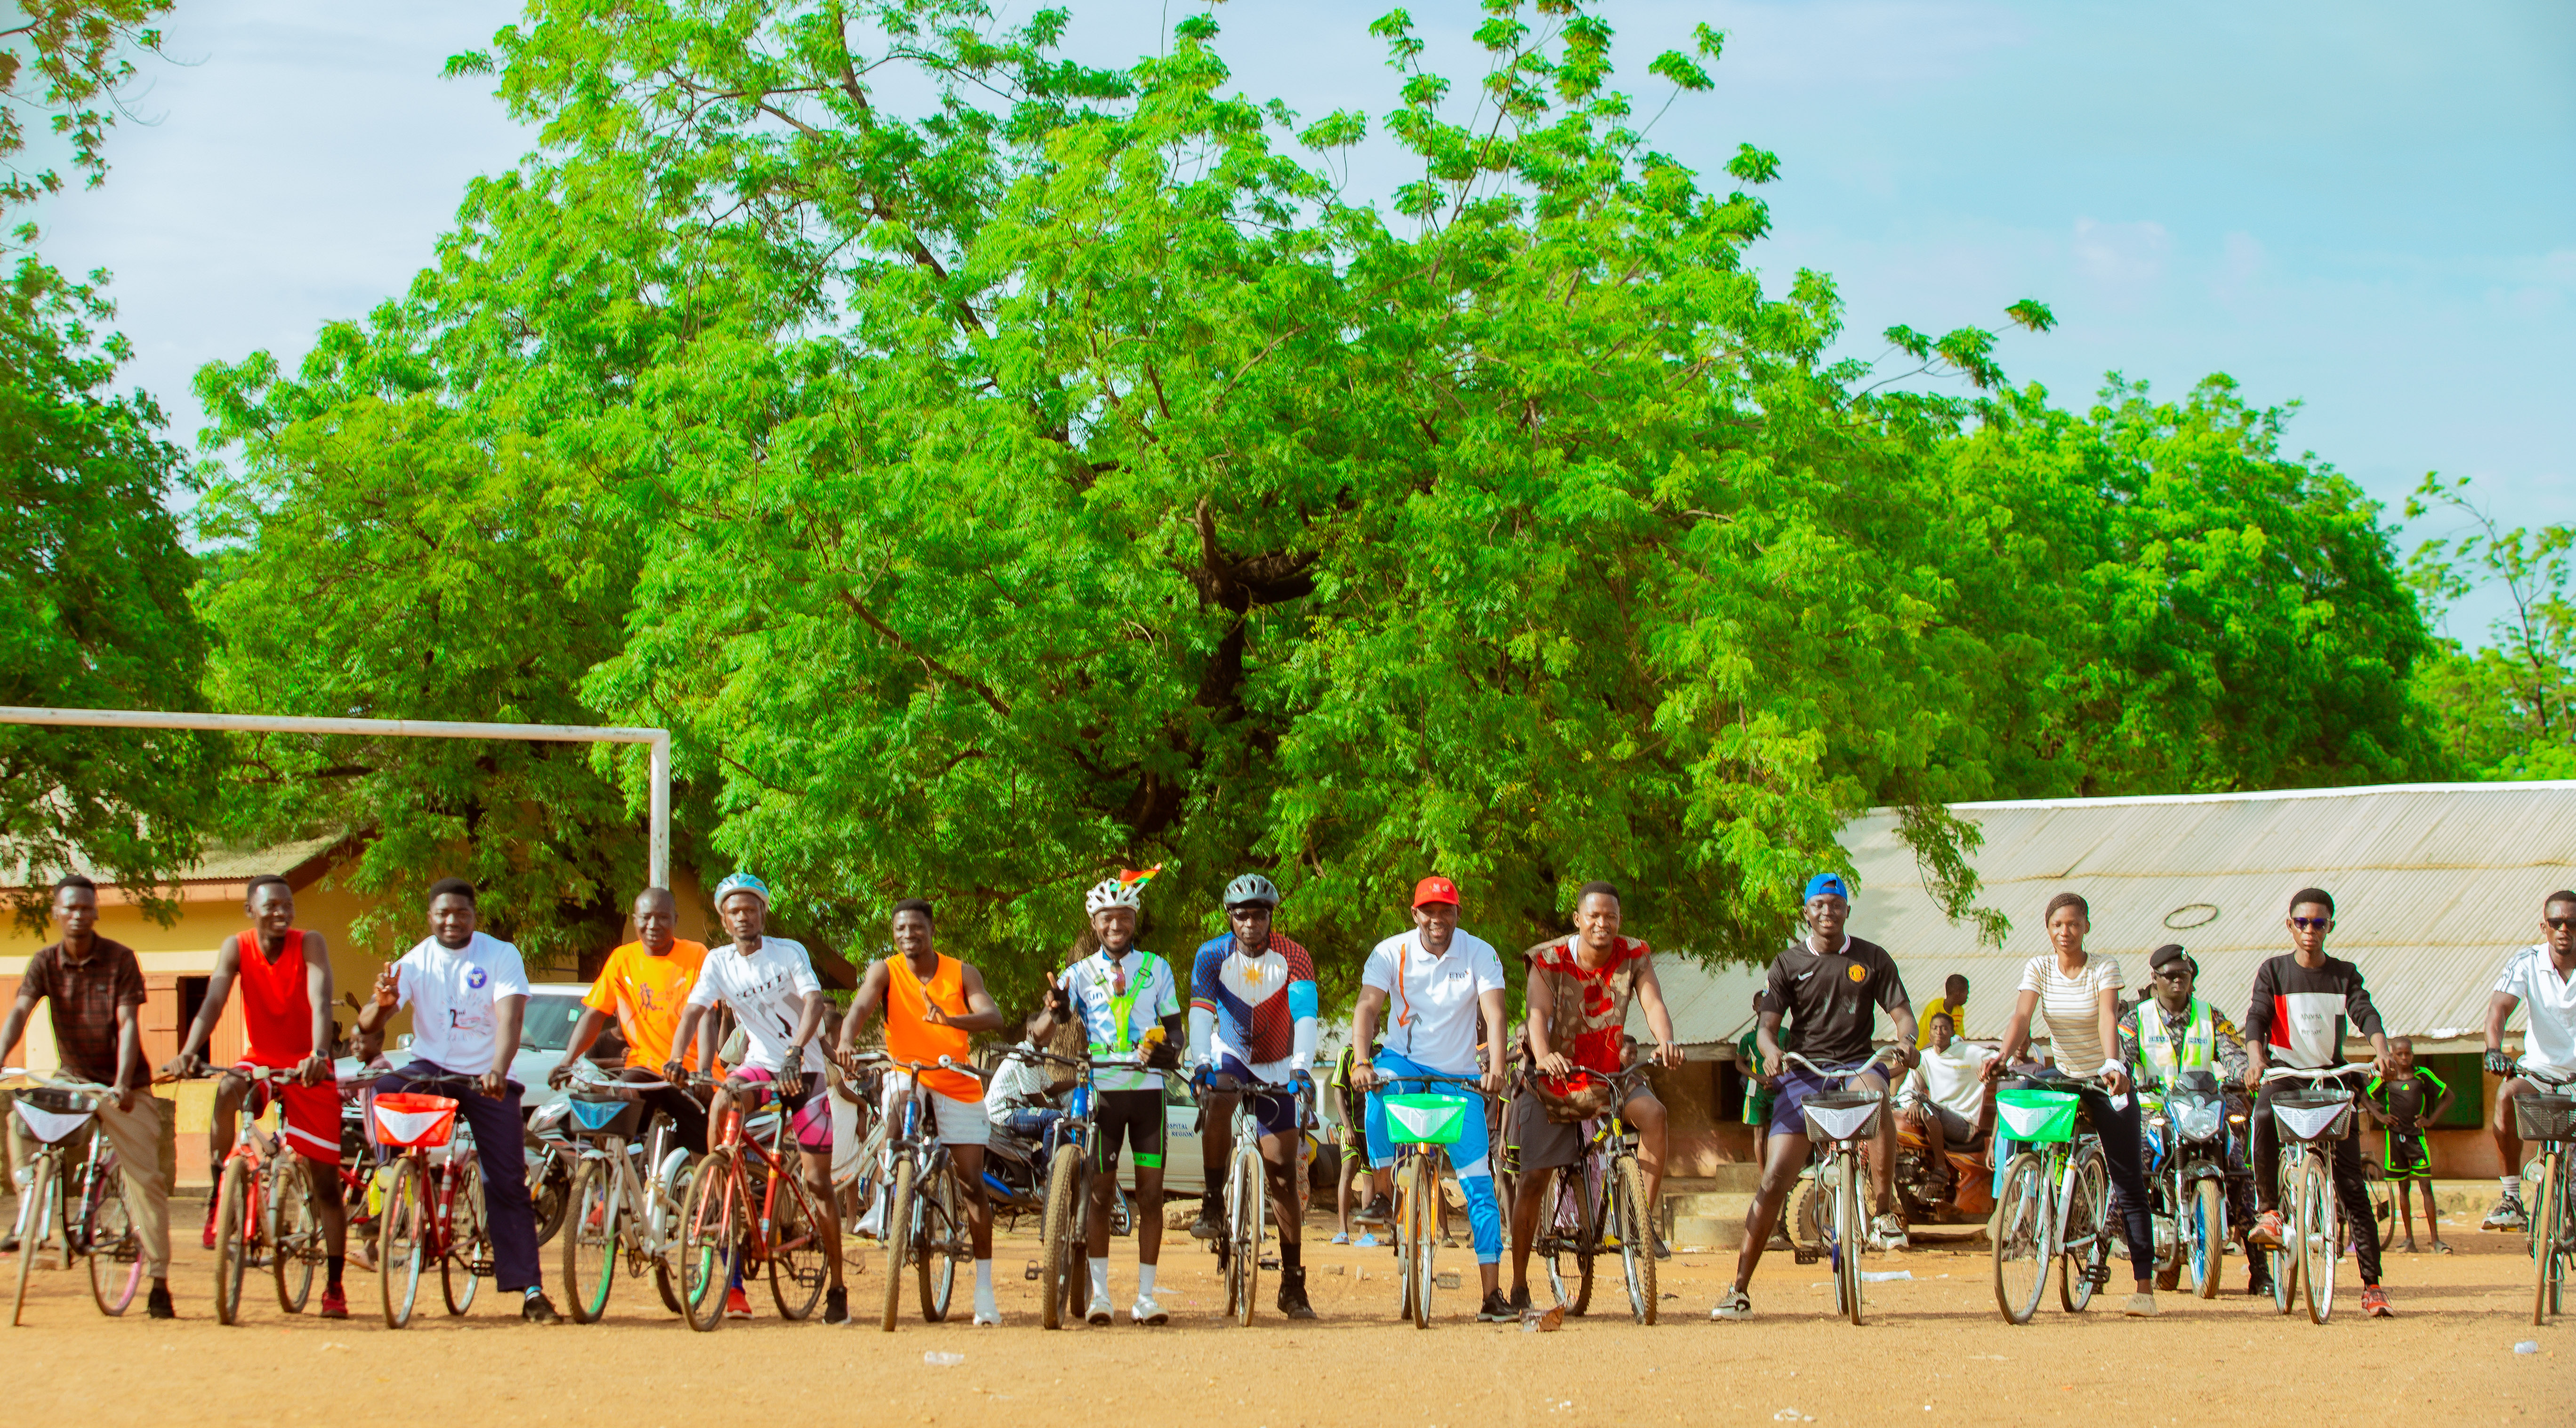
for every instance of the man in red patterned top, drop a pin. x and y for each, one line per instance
(1580, 988)
(285, 978)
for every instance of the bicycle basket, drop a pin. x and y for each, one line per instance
(2037, 1115)
(605, 1116)
(2545, 1117)
(410, 1120)
(51, 1114)
(1417, 1119)
(2313, 1115)
(1843, 1115)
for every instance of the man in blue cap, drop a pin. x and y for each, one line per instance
(1830, 988)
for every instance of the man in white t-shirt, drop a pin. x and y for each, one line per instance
(777, 1001)
(467, 991)
(1439, 983)
(1946, 1098)
(2542, 979)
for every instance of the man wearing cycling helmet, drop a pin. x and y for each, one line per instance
(1252, 1018)
(1130, 1006)
(1830, 985)
(1580, 988)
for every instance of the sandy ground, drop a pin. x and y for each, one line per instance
(1933, 1350)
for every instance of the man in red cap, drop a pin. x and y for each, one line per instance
(1440, 982)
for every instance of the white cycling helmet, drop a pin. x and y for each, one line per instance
(1126, 890)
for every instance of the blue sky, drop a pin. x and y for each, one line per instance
(2366, 207)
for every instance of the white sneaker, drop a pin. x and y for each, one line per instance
(871, 1225)
(1100, 1312)
(1889, 1232)
(987, 1315)
(1733, 1305)
(1146, 1311)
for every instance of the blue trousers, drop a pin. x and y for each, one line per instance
(1468, 1157)
(500, 1149)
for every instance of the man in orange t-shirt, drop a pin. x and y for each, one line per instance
(934, 1004)
(645, 984)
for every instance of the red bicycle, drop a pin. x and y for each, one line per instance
(749, 1207)
(433, 1208)
(265, 1214)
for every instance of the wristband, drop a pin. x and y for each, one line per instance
(2110, 1066)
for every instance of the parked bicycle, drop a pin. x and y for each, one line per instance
(748, 1210)
(2312, 1230)
(924, 1227)
(628, 1195)
(2052, 1200)
(1599, 1207)
(73, 1203)
(1423, 1125)
(1247, 1188)
(432, 1208)
(1841, 1125)
(2548, 1121)
(265, 1215)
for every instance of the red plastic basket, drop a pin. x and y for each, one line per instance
(412, 1121)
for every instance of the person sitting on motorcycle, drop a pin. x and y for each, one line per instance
(1946, 1100)
(1025, 1095)
(2171, 1031)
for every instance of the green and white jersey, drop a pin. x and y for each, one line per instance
(1119, 1000)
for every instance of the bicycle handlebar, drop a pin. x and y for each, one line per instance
(1857, 1068)
(2310, 1073)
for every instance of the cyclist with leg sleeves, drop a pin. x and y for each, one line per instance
(1829, 987)
(1129, 1004)
(2302, 1000)
(2541, 977)
(1252, 1019)
(1579, 991)
(1440, 983)
(645, 984)
(2174, 1031)
(468, 991)
(934, 1004)
(285, 977)
(93, 990)
(768, 983)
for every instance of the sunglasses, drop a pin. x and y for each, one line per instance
(2559, 923)
(2312, 924)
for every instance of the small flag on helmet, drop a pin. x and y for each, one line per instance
(1134, 879)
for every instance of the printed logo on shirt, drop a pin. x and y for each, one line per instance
(1859, 973)
(476, 977)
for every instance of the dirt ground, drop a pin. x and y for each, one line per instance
(1933, 1346)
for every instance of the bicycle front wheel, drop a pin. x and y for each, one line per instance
(2548, 1232)
(2083, 1266)
(2020, 1231)
(899, 1241)
(1850, 1230)
(1636, 1239)
(401, 1241)
(2320, 1238)
(115, 1255)
(800, 1260)
(1571, 1237)
(232, 1239)
(1422, 1230)
(937, 1229)
(1243, 1228)
(2205, 1226)
(35, 1214)
(468, 1243)
(1060, 1256)
(590, 1241)
(294, 1232)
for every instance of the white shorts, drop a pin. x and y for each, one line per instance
(959, 1122)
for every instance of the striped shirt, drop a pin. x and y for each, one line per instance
(2072, 1008)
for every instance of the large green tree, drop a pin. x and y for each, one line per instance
(2505, 709)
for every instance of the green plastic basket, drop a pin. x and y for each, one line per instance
(1416, 1119)
(2036, 1115)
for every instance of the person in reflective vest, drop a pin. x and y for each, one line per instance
(2171, 1031)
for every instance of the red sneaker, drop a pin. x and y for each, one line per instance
(737, 1304)
(210, 1218)
(2374, 1302)
(2267, 1229)
(335, 1304)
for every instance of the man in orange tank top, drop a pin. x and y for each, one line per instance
(285, 977)
(933, 1006)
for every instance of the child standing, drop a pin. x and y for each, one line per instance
(2403, 1102)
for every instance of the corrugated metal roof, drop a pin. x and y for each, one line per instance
(2434, 886)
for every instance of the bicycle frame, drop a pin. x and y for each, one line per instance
(50, 1196)
(2319, 1219)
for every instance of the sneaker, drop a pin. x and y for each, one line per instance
(2507, 1214)
(988, 1316)
(1341, 1237)
(1144, 1311)
(157, 1304)
(1888, 1230)
(1099, 1313)
(2141, 1305)
(1206, 1226)
(335, 1304)
(1366, 1240)
(836, 1306)
(2374, 1302)
(1662, 1250)
(2258, 1276)
(210, 1222)
(1521, 1299)
(1292, 1294)
(1497, 1310)
(9, 1244)
(871, 1226)
(737, 1303)
(1734, 1305)
(538, 1309)
(2267, 1229)
(1448, 1241)
(1378, 1211)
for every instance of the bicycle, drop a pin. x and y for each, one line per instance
(2549, 1122)
(285, 1235)
(1247, 1190)
(1423, 1124)
(1839, 1124)
(729, 1222)
(1600, 1202)
(2052, 1201)
(2312, 1235)
(88, 1204)
(433, 1207)
(1066, 1197)
(627, 1198)
(920, 1225)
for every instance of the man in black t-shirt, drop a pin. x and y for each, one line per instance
(1830, 989)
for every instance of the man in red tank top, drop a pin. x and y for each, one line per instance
(285, 978)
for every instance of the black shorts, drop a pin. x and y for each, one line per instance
(1133, 1119)
(1957, 1131)
(1539, 1143)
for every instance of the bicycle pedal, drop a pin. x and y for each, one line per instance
(1805, 1256)
(2098, 1275)
(1031, 1272)
(1269, 1262)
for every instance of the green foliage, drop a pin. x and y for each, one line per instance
(93, 606)
(68, 59)
(2506, 710)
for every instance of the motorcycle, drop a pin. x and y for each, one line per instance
(1970, 1196)
(2191, 1137)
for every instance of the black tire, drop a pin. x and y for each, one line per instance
(2207, 1219)
(232, 1251)
(1244, 1208)
(800, 1263)
(711, 1234)
(2382, 1194)
(1423, 1216)
(2320, 1238)
(469, 1242)
(400, 1241)
(1571, 1239)
(1060, 1235)
(114, 1251)
(295, 1232)
(898, 1238)
(590, 1241)
(937, 1246)
(2088, 1229)
(1851, 1232)
(549, 1191)
(34, 1204)
(2548, 1232)
(2019, 1231)
(1636, 1238)
(666, 1272)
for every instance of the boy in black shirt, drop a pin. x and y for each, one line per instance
(2402, 1104)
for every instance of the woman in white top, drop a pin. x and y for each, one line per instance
(2079, 995)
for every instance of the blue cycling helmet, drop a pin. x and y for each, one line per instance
(742, 882)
